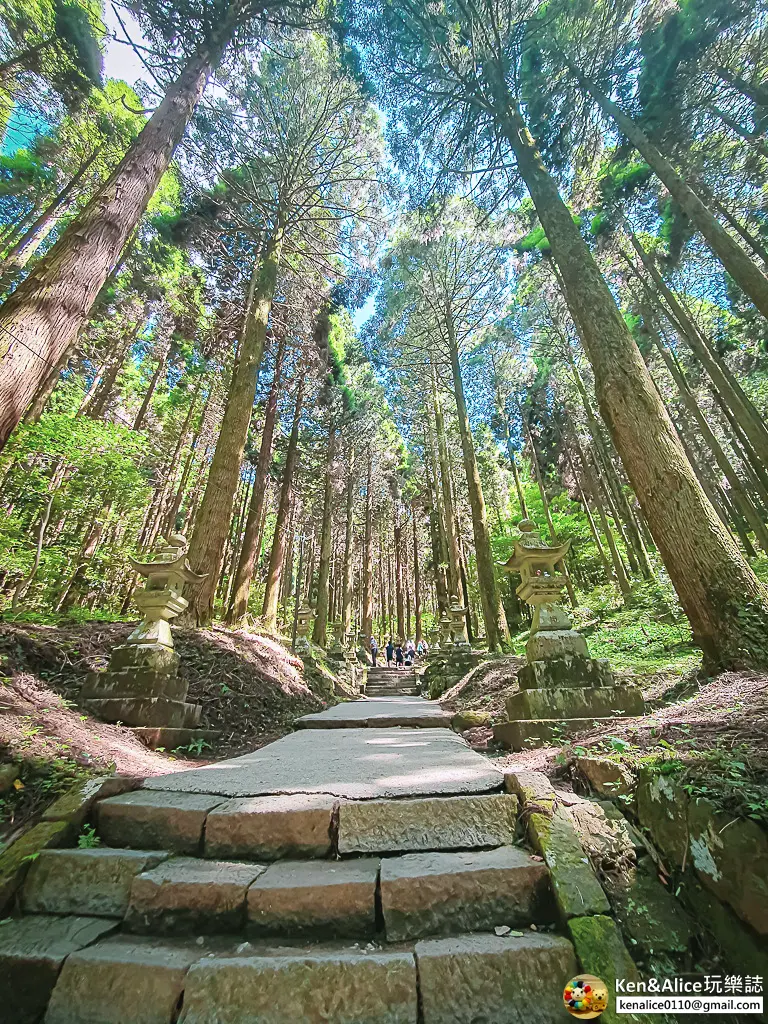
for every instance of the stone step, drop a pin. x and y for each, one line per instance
(32, 950)
(426, 894)
(461, 980)
(427, 823)
(188, 896)
(95, 882)
(155, 820)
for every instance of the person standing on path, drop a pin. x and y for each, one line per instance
(374, 650)
(399, 659)
(390, 651)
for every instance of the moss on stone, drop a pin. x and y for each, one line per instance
(576, 888)
(16, 859)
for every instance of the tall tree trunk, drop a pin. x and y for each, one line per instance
(346, 598)
(744, 272)
(398, 541)
(741, 498)
(723, 381)
(416, 578)
(249, 552)
(367, 609)
(496, 629)
(320, 628)
(138, 423)
(445, 483)
(96, 408)
(19, 253)
(726, 604)
(277, 554)
(206, 550)
(44, 314)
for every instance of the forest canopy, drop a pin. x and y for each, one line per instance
(344, 291)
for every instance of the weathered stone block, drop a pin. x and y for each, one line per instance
(121, 980)
(443, 893)
(439, 823)
(186, 895)
(575, 702)
(271, 827)
(557, 644)
(601, 951)
(32, 950)
(75, 805)
(731, 859)
(483, 978)
(138, 682)
(743, 951)
(565, 672)
(469, 720)
(155, 820)
(321, 898)
(649, 914)
(577, 890)
(146, 711)
(606, 777)
(531, 788)
(15, 861)
(662, 808)
(344, 987)
(149, 656)
(94, 882)
(527, 734)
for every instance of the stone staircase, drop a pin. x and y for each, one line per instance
(284, 909)
(388, 682)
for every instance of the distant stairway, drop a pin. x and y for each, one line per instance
(388, 682)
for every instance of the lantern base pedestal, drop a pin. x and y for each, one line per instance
(562, 696)
(525, 735)
(141, 687)
(146, 711)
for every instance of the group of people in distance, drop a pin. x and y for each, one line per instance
(400, 655)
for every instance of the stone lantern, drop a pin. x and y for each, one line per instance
(304, 618)
(433, 638)
(562, 688)
(458, 616)
(141, 686)
(337, 646)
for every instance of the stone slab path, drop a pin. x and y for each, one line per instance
(355, 763)
(343, 875)
(379, 713)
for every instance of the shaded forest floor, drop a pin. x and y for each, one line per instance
(251, 689)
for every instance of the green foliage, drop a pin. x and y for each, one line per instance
(88, 840)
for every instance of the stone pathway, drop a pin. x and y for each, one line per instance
(354, 872)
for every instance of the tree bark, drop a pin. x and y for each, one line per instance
(447, 494)
(277, 554)
(320, 628)
(726, 604)
(416, 579)
(346, 598)
(206, 550)
(249, 552)
(45, 313)
(723, 381)
(367, 609)
(399, 603)
(496, 629)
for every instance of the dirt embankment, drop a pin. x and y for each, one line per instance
(251, 689)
